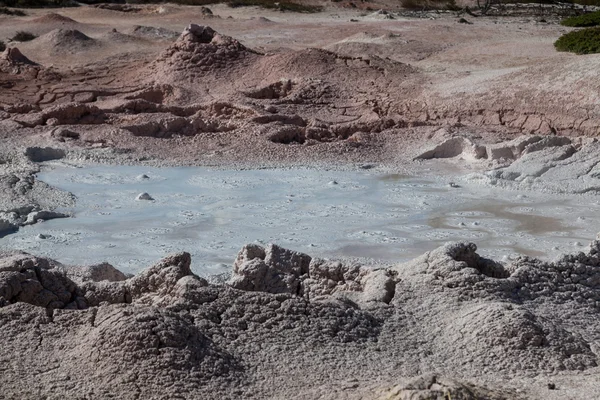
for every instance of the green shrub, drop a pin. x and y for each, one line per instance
(585, 20)
(586, 2)
(193, 2)
(8, 11)
(585, 41)
(271, 4)
(38, 3)
(22, 36)
(429, 5)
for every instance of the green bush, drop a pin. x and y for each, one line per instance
(586, 2)
(585, 20)
(22, 36)
(38, 3)
(585, 41)
(424, 5)
(281, 5)
(8, 11)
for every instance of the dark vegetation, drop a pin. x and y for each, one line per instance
(585, 2)
(430, 5)
(584, 20)
(37, 3)
(275, 5)
(585, 41)
(2, 46)
(8, 11)
(283, 5)
(22, 36)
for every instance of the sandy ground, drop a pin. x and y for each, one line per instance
(344, 89)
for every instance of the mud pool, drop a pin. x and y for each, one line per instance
(366, 215)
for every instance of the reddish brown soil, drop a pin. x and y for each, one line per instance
(271, 87)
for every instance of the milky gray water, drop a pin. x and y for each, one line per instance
(364, 214)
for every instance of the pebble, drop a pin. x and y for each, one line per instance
(144, 196)
(142, 177)
(333, 183)
(42, 236)
(453, 185)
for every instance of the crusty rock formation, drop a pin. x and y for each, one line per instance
(26, 200)
(277, 270)
(13, 62)
(198, 51)
(432, 387)
(298, 321)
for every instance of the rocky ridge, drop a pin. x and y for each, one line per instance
(167, 332)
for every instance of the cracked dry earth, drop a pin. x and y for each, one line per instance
(140, 85)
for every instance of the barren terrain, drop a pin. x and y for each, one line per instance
(487, 103)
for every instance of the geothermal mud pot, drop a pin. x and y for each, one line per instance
(373, 216)
(318, 163)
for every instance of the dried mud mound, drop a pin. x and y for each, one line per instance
(325, 97)
(167, 332)
(207, 83)
(12, 59)
(53, 18)
(15, 67)
(115, 36)
(151, 32)
(66, 41)
(199, 51)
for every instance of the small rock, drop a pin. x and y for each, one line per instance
(35, 216)
(144, 196)
(142, 177)
(63, 133)
(52, 122)
(453, 185)
(476, 223)
(551, 386)
(42, 236)
(333, 183)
